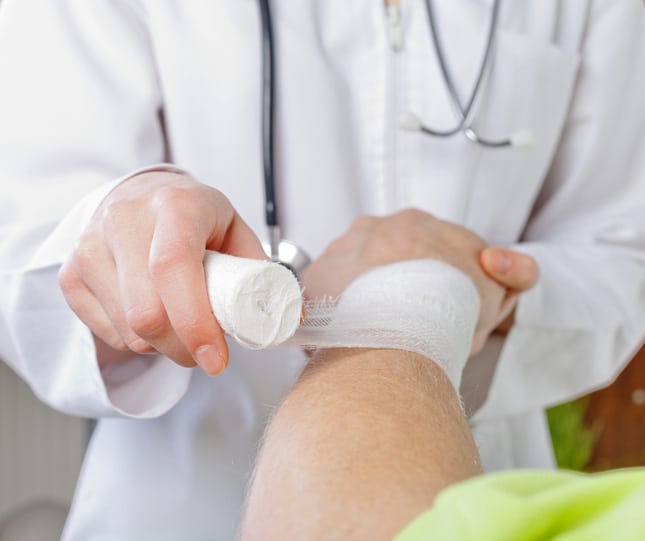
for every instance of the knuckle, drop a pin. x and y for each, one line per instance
(403, 214)
(147, 322)
(410, 213)
(173, 196)
(117, 212)
(87, 251)
(363, 222)
(166, 262)
(68, 279)
(412, 217)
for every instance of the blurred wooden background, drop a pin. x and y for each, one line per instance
(620, 408)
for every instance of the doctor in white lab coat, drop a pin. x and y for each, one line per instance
(93, 92)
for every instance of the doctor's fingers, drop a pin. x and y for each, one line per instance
(95, 267)
(176, 266)
(513, 270)
(87, 307)
(143, 313)
(91, 311)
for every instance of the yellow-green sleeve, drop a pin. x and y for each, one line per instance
(537, 506)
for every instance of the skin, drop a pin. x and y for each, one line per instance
(362, 444)
(135, 277)
(366, 439)
(412, 234)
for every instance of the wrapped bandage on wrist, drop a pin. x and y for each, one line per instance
(423, 306)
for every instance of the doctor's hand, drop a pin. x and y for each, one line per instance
(414, 234)
(136, 275)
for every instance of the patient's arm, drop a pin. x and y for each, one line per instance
(361, 445)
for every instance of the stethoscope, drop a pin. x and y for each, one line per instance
(278, 249)
(286, 252)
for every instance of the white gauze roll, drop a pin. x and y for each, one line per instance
(424, 306)
(258, 303)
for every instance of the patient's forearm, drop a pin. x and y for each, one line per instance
(361, 445)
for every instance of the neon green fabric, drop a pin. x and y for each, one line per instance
(537, 505)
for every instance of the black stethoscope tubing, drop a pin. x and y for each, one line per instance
(268, 115)
(464, 114)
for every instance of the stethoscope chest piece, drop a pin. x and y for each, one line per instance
(288, 254)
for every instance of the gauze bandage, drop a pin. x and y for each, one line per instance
(258, 303)
(424, 306)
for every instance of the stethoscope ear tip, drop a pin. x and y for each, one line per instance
(523, 139)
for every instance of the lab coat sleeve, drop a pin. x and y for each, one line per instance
(79, 109)
(585, 319)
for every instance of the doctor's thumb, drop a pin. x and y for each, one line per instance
(513, 270)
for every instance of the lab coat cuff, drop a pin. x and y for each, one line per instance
(144, 387)
(66, 375)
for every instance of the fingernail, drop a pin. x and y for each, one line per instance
(210, 360)
(502, 262)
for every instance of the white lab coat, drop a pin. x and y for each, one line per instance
(92, 91)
